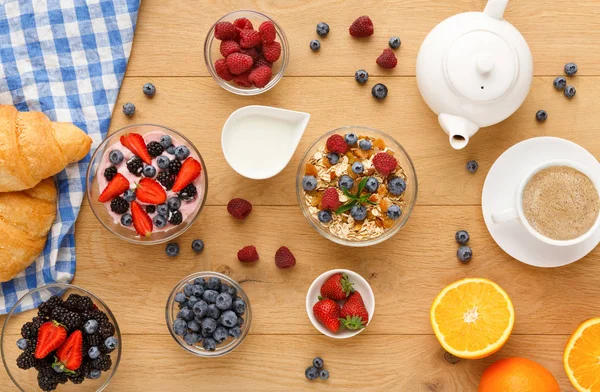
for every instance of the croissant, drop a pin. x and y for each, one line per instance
(33, 148)
(25, 218)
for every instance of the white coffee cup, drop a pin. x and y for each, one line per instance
(516, 212)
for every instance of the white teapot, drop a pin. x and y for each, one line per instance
(474, 70)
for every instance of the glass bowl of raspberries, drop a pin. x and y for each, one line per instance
(246, 52)
(356, 186)
(146, 184)
(71, 342)
(208, 314)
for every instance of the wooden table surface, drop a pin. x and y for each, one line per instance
(398, 350)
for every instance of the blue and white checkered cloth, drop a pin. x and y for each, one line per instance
(67, 59)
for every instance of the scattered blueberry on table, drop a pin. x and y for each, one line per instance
(149, 89)
(129, 109)
(198, 245)
(472, 166)
(464, 254)
(394, 42)
(560, 83)
(462, 237)
(379, 91)
(541, 115)
(571, 69)
(311, 373)
(361, 76)
(570, 91)
(322, 29)
(315, 45)
(172, 249)
(316, 370)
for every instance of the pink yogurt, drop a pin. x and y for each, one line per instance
(187, 207)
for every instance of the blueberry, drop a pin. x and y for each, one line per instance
(235, 332)
(560, 83)
(193, 326)
(22, 344)
(240, 321)
(173, 203)
(396, 186)
(192, 300)
(210, 296)
(58, 368)
(346, 181)
(570, 91)
(333, 158)
(358, 212)
(571, 69)
(183, 304)
(361, 76)
(379, 91)
(162, 209)
(188, 289)
(351, 139)
(541, 115)
(315, 45)
(115, 157)
(372, 185)
(191, 338)
(232, 291)
(224, 301)
(220, 334)
(166, 141)
(394, 212)
(200, 308)
(172, 249)
(324, 374)
(239, 306)
(180, 327)
(472, 166)
(186, 313)
(159, 220)
(129, 195)
(365, 144)
(462, 237)
(90, 326)
(129, 109)
(311, 373)
(214, 283)
(318, 362)
(126, 219)
(394, 42)
(94, 374)
(149, 171)
(324, 216)
(170, 150)
(200, 281)
(358, 167)
(322, 29)
(182, 152)
(162, 162)
(197, 246)
(309, 183)
(464, 254)
(209, 325)
(111, 343)
(228, 318)
(209, 344)
(224, 287)
(149, 89)
(213, 312)
(94, 352)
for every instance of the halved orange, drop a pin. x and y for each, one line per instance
(582, 357)
(472, 318)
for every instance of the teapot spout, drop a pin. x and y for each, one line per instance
(459, 129)
(495, 8)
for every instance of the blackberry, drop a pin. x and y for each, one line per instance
(110, 172)
(45, 309)
(95, 314)
(26, 360)
(106, 329)
(76, 378)
(68, 318)
(48, 379)
(174, 166)
(103, 363)
(189, 192)
(166, 179)
(176, 218)
(150, 209)
(94, 339)
(135, 165)
(118, 205)
(79, 303)
(155, 149)
(28, 331)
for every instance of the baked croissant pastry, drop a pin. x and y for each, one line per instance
(33, 148)
(25, 218)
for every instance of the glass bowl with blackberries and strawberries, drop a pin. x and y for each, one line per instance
(246, 52)
(356, 186)
(147, 184)
(71, 342)
(208, 314)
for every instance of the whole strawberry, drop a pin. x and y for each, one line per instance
(239, 63)
(250, 38)
(336, 143)
(387, 59)
(284, 258)
(228, 47)
(239, 208)
(330, 200)
(327, 312)
(247, 254)
(271, 51)
(260, 76)
(224, 31)
(361, 27)
(337, 287)
(354, 314)
(267, 31)
(384, 163)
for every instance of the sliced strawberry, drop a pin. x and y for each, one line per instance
(50, 337)
(141, 220)
(70, 354)
(150, 191)
(136, 144)
(116, 187)
(190, 170)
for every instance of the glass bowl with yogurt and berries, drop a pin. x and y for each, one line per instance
(147, 183)
(356, 186)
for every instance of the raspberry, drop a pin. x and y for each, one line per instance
(239, 208)
(242, 79)
(387, 59)
(261, 61)
(249, 38)
(223, 70)
(251, 52)
(239, 63)
(361, 27)
(384, 163)
(284, 258)
(260, 76)
(330, 200)
(247, 254)
(225, 30)
(267, 31)
(337, 144)
(242, 23)
(228, 47)
(271, 51)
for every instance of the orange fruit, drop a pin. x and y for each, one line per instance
(472, 318)
(582, 357)
(517, 375)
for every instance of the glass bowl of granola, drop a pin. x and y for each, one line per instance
(356, 186)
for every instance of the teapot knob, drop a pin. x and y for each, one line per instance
(484, 64)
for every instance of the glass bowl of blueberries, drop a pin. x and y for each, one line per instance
(71, 341)
(208, 314)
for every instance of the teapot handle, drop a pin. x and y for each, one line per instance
(495, 8)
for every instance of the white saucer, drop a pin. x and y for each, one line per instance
(499, 190)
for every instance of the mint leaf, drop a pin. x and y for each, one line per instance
(361, 186)
(348, 194)
(345, 207)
